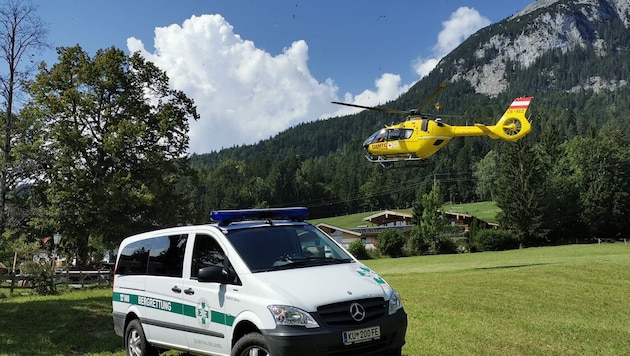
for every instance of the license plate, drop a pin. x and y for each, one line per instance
(361, 335)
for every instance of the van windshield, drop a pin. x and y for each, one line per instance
(271, 248)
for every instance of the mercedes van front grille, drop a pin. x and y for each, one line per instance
(341, 314)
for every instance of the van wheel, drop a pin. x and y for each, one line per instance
(252, 344)
(396, 352)
(136, 343)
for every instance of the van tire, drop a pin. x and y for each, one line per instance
(396, 352)
(136, 343)
(251, 342)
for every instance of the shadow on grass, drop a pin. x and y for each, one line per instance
(514, 266)
(58, 326)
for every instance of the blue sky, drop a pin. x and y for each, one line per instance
(255, 68)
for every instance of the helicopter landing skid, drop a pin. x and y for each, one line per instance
(389, 162)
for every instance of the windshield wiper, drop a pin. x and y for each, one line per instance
(288, 260)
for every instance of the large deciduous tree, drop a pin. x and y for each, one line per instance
(485, 171)
(118, 138)
(22, 35)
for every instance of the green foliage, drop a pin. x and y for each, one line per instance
(432, 223)
(486, 174)
(591, 183)
(115, 165)
(444, 245)
(417, 244)
(390, 243)
(40, 275)
(494, 240)
(520, 191)
(358, 250)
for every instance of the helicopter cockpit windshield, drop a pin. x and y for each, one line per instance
(378, 136)
(388, 135)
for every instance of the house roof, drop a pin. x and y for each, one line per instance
(331, 228)
(387, 216)
(458, 215)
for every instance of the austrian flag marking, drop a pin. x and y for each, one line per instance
(521, 103)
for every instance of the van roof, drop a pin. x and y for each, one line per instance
(226, 217)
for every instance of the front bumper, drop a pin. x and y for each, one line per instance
(289, 341)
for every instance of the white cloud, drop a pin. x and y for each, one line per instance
(463, 22)
(242, 93)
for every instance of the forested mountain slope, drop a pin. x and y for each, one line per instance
(573, 56)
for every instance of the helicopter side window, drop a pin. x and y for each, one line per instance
(425, 125)
(407, 133)
(393, 135)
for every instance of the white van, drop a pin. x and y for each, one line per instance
(255, 282)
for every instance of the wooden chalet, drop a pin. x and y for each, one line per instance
(388, 219)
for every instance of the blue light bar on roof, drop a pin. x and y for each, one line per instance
(225, 217)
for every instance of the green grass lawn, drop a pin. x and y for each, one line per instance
(567, 300)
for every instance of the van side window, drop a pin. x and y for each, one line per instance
(206, 252)
(134, 258)
(167, 255)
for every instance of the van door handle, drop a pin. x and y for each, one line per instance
(176, 289)
(189, 291)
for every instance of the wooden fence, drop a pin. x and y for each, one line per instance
(69, 279)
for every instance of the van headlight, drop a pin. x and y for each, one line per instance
(394, 302)
(292, 316)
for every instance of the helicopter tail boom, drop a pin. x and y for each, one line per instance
(513, 125)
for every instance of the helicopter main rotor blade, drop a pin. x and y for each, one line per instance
(430, 99)
(390, 111)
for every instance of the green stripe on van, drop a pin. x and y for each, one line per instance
(173, 307)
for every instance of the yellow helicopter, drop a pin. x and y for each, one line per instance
(419, 136)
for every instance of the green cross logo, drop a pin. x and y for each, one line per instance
(203, 312)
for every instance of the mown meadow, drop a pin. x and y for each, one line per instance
(565, 300)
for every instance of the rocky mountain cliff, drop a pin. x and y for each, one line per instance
(518, 42)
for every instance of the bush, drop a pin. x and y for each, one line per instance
(462, 244)
(358, 250)
(40, 275)
(444, 245)
(417, 245)
(390, 243)
(495, 240)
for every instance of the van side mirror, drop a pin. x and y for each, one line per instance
(211, 274)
